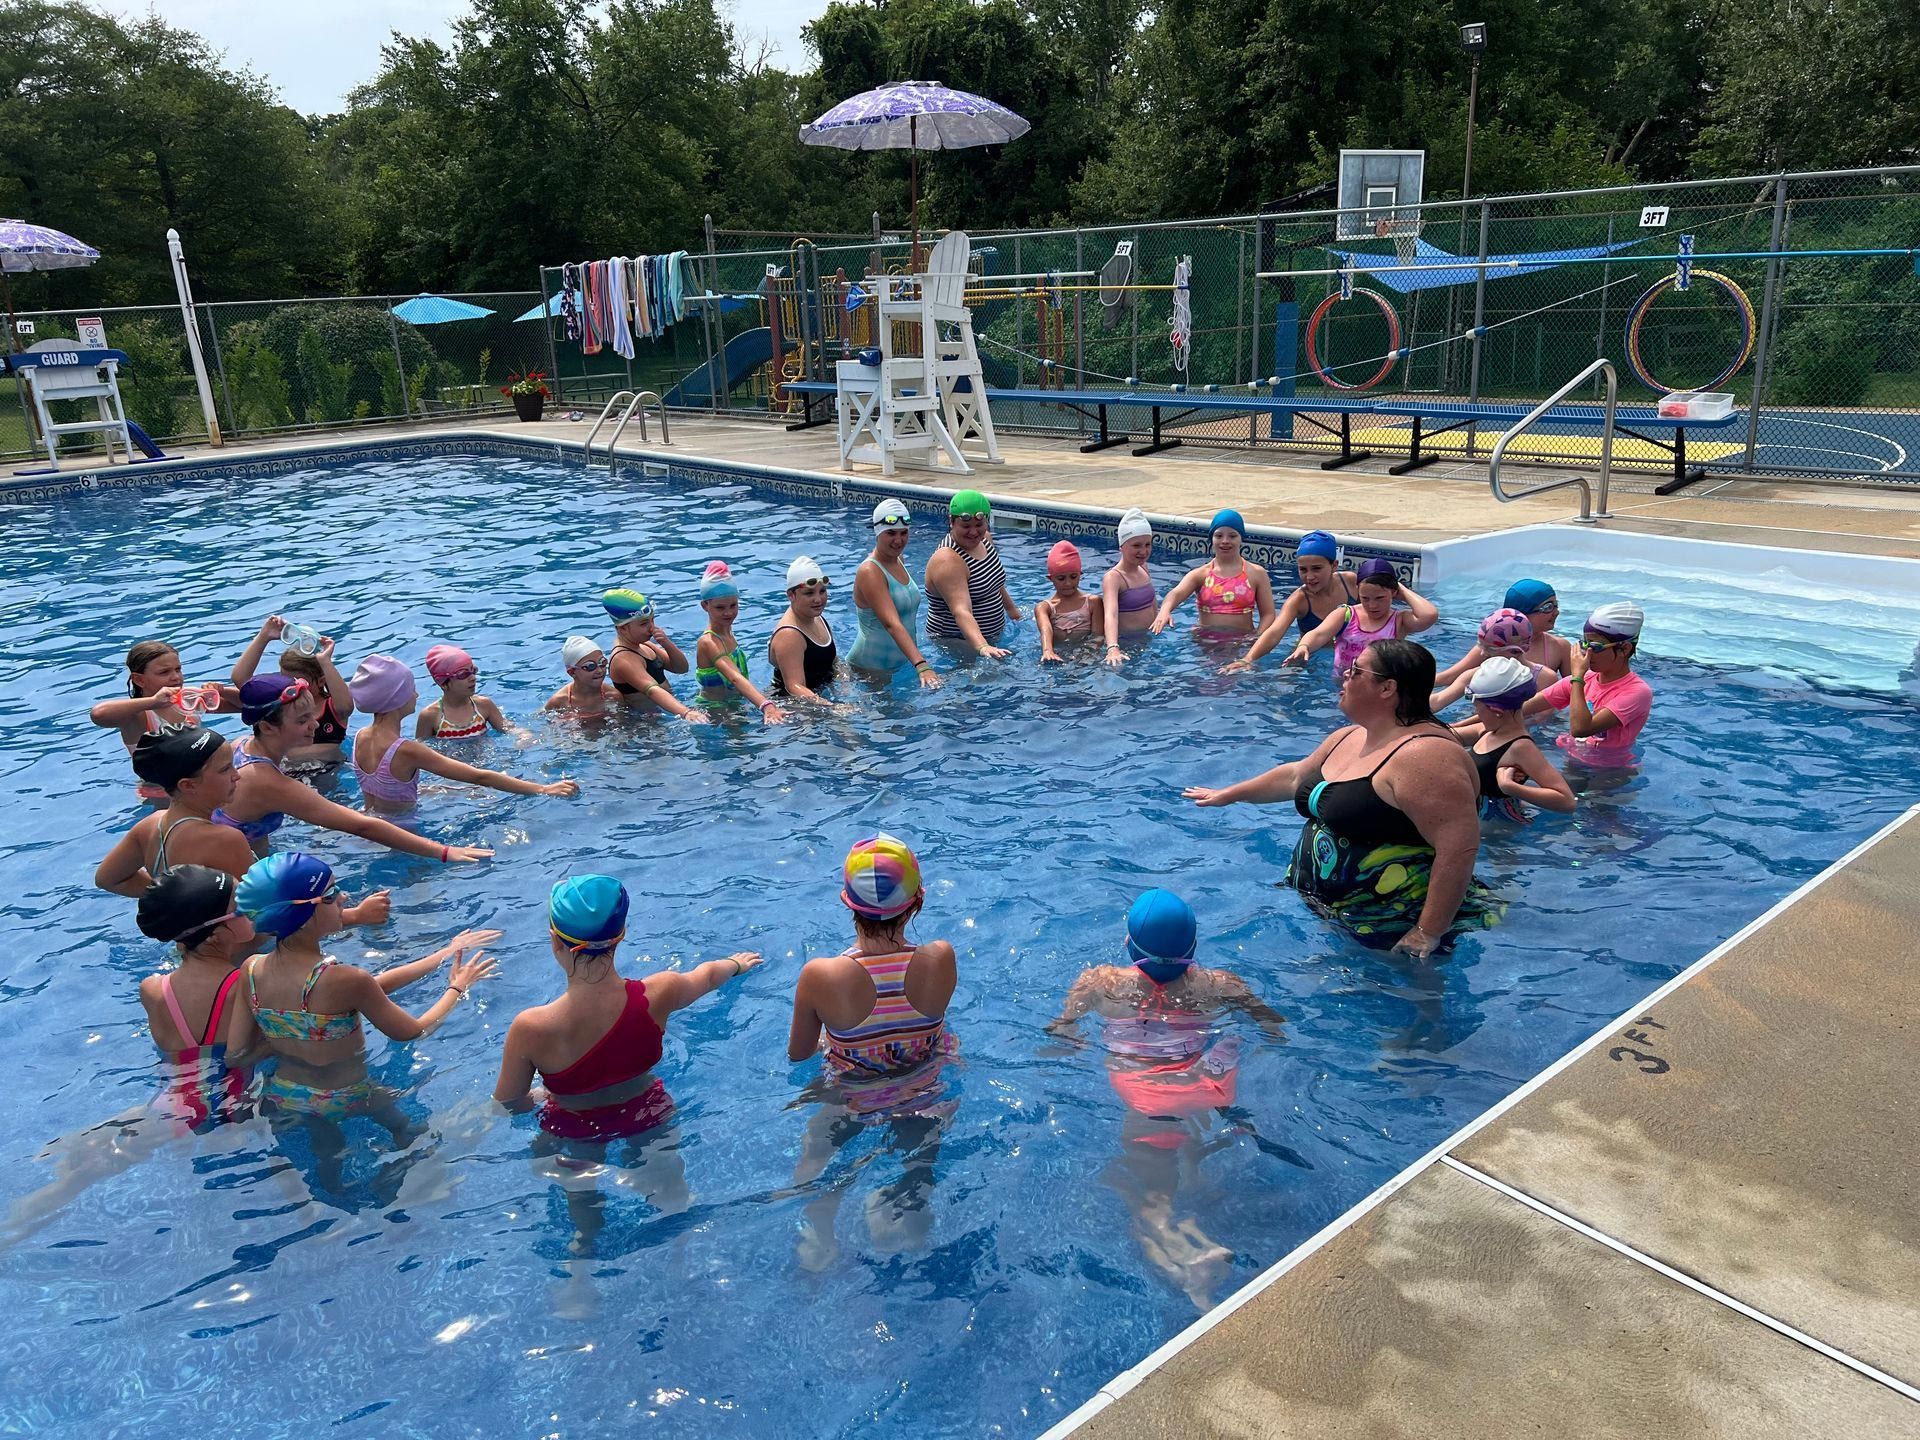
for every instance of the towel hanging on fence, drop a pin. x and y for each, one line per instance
(570, 300)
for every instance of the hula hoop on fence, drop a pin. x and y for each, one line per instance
(1393, 339)
(1637, 317)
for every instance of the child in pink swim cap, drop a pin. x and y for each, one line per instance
(460, 713)
(1068, 613)
(1506, 632)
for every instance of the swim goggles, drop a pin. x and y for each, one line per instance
(332, 892)
(1597, 647)
(471, 672)
(301, 639)
(589, 666)
(580, 947)
(195, 699)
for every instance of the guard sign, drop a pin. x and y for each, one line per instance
(93, 334)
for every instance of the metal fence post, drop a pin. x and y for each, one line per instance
(1079, 320)
(1019, 329)
(213, 334)
(1239, 305)
(546, 324)
(1600, 323)
(719, 393)
(399, 364)
(1479, 317)
(1769, 309)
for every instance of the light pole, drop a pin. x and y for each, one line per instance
(1473, 40)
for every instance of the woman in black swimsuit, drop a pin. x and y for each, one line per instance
(1392, 809)
(801, 650)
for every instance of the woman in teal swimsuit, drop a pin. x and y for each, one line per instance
(305, 1007)
(720, 662)
(887, 602)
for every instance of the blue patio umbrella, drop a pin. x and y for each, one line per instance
(914, 115)
(541, 312)
(437, 310)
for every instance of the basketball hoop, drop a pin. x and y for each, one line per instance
(1405, 235)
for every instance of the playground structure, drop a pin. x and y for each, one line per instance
(1792, 295)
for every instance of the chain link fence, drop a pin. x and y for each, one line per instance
(291, 365)
(1493, 300)
(1501, 299)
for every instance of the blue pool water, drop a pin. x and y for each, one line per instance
(432, 1292)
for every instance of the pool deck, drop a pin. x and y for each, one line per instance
(1703, 1222)
(1707, 1223)
(1442, 502)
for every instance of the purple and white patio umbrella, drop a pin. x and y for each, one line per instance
(25, 247)
(914, 115)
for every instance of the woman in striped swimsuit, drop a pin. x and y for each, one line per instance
(882, 1004)
(967, 596)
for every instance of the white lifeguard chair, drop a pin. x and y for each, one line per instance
(921, 407)
(62, 370)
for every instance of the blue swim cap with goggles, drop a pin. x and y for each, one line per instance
(280, 893)
(588, 913)
(1162, 935)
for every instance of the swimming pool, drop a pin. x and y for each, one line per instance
(432, 1291)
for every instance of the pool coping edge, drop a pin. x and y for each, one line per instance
(1132, 1377)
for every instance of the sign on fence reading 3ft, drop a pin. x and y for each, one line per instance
(1653, 217)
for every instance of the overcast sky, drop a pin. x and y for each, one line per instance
(316, 53)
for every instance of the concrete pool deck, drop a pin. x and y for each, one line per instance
(1443, 502)
(1705, 1223)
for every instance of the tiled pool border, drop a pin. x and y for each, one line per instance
(1175, 536)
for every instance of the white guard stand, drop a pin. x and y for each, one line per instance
(922, 407)
(61, 370)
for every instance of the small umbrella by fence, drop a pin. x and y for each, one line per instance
(438, 310)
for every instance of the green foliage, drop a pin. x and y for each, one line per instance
(356, 336)
(1823, 359)
(327, 384)
(157, 386)
(256, 379)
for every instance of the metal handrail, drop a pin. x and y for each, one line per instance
(1587, 513)
(605, 411)
(635, 406)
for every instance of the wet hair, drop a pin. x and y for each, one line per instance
(140, 657)
(894, 928)
(1411, 668)
(303, 667)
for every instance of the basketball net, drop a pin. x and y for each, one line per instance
(1405, 235)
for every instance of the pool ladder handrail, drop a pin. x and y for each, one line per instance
(1587, 497)
(636, 400)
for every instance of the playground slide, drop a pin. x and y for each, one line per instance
(744, 354)
(143, 442)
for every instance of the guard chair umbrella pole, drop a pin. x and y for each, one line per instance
(914, 115)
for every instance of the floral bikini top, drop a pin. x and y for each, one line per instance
(301, 1024)
(1227, 594)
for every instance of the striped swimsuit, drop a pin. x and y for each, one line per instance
(986, 583)
(894, 1036)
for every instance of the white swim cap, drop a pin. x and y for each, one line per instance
(577, 648)
(1502, 682)
(1133, 524)
(802, 570)
(1622, 619)
(891, 514)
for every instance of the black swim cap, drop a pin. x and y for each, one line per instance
(166, 757)
(189, 902)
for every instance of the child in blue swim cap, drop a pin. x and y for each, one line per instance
(306, 1007)
(1172, 1070)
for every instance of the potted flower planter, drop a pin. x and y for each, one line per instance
(530, 407)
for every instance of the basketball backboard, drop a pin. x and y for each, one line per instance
(1379, 187)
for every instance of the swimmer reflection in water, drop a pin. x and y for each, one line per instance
(882, 1003)
(1164, 1061)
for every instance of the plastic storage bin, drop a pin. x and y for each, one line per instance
(1696, 405)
